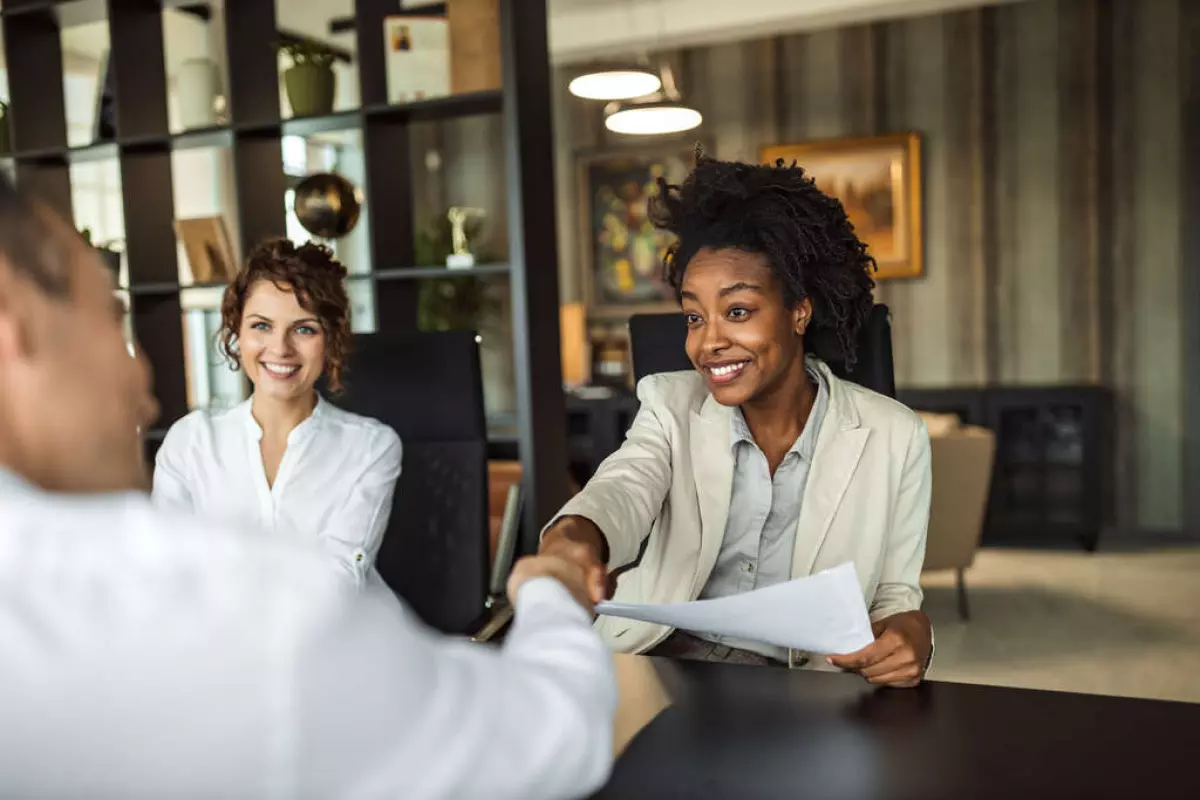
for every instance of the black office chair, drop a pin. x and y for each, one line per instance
(657, 344)
(427, 386)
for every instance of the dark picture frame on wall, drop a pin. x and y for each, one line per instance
(621, 251)
(878, 180)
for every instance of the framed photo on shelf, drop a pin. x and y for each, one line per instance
(878, 180)
(621, 250)
(206, 242)
(417, 57)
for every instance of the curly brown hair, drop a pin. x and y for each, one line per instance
(318, 280)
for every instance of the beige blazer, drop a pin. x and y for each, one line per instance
(866, 499)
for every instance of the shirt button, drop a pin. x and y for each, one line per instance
(358, 556)
(749, 566)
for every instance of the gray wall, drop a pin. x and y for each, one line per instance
(1053, 210)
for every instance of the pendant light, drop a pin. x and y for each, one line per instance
(660, 113)
(622, 80)
(615, 82)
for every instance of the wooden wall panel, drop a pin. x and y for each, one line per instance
(925, 323)
(1189, 37)
(1120, 313)
(1078, 192)
(1003, 193)
(966, 313)
(891, 115)
(1034, 313)
(1158, 387)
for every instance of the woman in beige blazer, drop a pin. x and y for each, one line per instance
(760, 465)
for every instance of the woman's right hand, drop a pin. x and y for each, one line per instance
(578, 540)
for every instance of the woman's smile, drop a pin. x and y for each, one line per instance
(279, 371)
(725, 372)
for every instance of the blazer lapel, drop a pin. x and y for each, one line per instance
(840, 444)
(712, 471)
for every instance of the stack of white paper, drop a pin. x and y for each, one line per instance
(822, 614)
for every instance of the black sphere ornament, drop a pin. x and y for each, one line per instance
(327, 205)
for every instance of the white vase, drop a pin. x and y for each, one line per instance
(197, 84)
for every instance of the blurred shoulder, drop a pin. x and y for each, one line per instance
(202, 424)
(676, 393)
(125, 547)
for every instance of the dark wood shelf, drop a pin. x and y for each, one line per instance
(394, 274)
(419, 273)
(337, 121)
(216, 136)
(67, 13)
(97, 151)
(219, 136)
(439, 108)
(465, 104)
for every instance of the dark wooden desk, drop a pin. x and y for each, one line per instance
(721, 731)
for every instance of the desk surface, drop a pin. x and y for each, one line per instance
(698, 730)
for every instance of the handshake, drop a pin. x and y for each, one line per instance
(572, 552)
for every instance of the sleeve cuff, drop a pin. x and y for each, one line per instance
(546, 592)
(579, 507)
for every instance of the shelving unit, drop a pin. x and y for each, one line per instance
(41, 158)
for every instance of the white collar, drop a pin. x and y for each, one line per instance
(312, 421)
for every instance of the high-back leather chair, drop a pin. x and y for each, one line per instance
(657, 344)
(427, 386)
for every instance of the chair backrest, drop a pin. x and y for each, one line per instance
(657, 344)
(961, 463)
(427, 386)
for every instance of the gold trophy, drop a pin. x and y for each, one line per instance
(461, 256)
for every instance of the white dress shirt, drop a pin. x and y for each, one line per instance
(144, 653)
(334, 484)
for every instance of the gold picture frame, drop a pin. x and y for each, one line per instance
(209, 251)
(621, 252)
(878, 181)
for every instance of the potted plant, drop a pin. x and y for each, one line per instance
(309, 82)
(465, 302)
(460, 302)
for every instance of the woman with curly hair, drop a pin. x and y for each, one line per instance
(286, 459)
(760, 465)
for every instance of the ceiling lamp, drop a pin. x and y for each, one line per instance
(615, 83)
(654, 117)
(664, 112)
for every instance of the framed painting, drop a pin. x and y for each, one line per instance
(878, 181)
(621, 250)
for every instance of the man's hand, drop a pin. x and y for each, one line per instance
(566, 572)
(579, 541)
(898, 655)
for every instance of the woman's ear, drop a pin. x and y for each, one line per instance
(802, 316)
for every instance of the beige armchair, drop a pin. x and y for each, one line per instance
(962, 458)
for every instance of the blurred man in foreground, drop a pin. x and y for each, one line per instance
(143, 654)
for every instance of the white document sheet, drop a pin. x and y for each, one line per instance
(822, 614)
